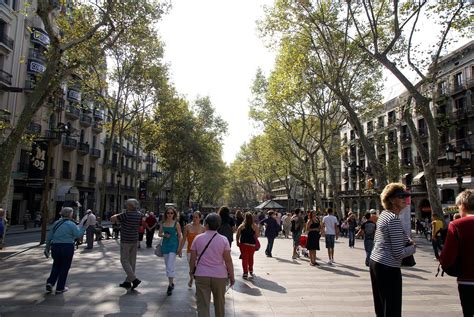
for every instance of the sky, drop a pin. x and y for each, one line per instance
(214, 50)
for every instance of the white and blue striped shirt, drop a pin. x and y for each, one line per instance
(390, 240)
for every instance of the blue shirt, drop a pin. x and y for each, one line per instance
(66, 232)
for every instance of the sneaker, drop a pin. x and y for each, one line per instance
(49, 288)
(135, 283)
(169, 291)
(245, 276)
(126, 285)
(294, 257)
(252, 275)
(62, 290)
(330, 262)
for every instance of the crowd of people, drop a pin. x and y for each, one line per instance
(209, 239)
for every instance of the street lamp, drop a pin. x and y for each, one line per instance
(119, 181)
(456, 163)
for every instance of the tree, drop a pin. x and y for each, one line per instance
(389, 32)
(308, 31)
(77, 36)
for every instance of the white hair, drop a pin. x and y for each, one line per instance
(66, 211)
(133, 202)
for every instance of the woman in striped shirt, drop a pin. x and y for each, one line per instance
(391, 245)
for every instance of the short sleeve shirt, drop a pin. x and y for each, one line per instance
(329, 222)
(212, 262)
(129, 223)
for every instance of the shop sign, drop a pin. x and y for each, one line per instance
(74, 95)
(37, 168)
(40, 37)
(35, 67)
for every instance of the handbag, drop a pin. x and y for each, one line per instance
(409, 260)
(257, 243)
(158, 251)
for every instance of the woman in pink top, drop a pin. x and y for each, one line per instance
(211, 266)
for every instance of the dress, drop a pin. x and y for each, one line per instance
(313, 237)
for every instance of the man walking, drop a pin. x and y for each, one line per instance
(89, 223)
(368, 231)
(331, 233)
(150, 223)
(272, 228)
(297, 225)
(130, 221)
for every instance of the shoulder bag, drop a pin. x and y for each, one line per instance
(158, 251)
(205, 248)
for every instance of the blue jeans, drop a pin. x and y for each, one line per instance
(351, 237)
(368, 246)
(62, 254)
(269, 248)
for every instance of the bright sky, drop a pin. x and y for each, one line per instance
(214, 50)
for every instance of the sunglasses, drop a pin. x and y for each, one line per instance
(170, 213)
(400, 197)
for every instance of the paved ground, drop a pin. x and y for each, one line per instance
(283, 287)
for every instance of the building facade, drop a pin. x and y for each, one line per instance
(453, 108)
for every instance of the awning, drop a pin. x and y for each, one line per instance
(419, 178)
(269, 204)
(67, 192)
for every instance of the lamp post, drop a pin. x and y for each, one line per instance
(456, 163)
(119, 182)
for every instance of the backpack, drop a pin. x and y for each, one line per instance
(369, 229)
(2, 227)
(294, 227)
(226, 230)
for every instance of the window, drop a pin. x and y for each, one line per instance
(79, 172)
(457, 81)
(352, 134)
(442, 88)
(391, 117)
(66, 173)
(82, 136)
(460, 104)
(94, 141)
(24, 163)
(406, 156)
(370, 127)
(422, 127)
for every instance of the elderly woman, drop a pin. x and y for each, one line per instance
(60, 241)
(211, 265)
(391, 245)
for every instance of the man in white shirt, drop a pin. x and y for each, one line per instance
(90, 223)
(331, 233)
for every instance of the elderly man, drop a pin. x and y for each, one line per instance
(458, 250)
(130, 221)
(90, 222)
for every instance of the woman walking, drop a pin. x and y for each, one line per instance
(60, 241)
(227, 227)
(313, 227)
(171, 245)
(211, 263)
(190, 232)
(246, 234)
(351, 228)
(391, 245)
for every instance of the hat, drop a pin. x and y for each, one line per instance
(372, 211)
(400, 192)
(88, 211)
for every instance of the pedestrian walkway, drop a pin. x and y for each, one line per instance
(283, 287)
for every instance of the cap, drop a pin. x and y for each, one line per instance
(400, 192)
(88, 211)
(372, 211)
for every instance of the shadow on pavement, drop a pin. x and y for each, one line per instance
(414, 276)
(414, 269)
(245, 288)
(286, 260)
(268, 285)
(353, 268)
(334, 270)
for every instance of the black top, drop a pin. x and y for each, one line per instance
(247, 235)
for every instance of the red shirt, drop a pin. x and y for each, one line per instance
(150, 220)
(462, 246)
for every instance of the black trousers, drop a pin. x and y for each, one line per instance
(386, 289)
(466, 295)
(149, 237)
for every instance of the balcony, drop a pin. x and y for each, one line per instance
(95, 153)
(405, 138)
(85, 120)
(5, 78)
(66, 175)
(54, 136)
(83, 148)
(458, 87)
(98, 116)
(418, 161)
(33, 128)
(423, 133)
(80, 177)
(406, 162)
(30, 85)
(69, 143)
(92, 179)
(6, 43)
(73, 95)
(97, 127)
(73, 112)
(459, 114)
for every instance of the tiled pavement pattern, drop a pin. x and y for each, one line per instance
(283, 287)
